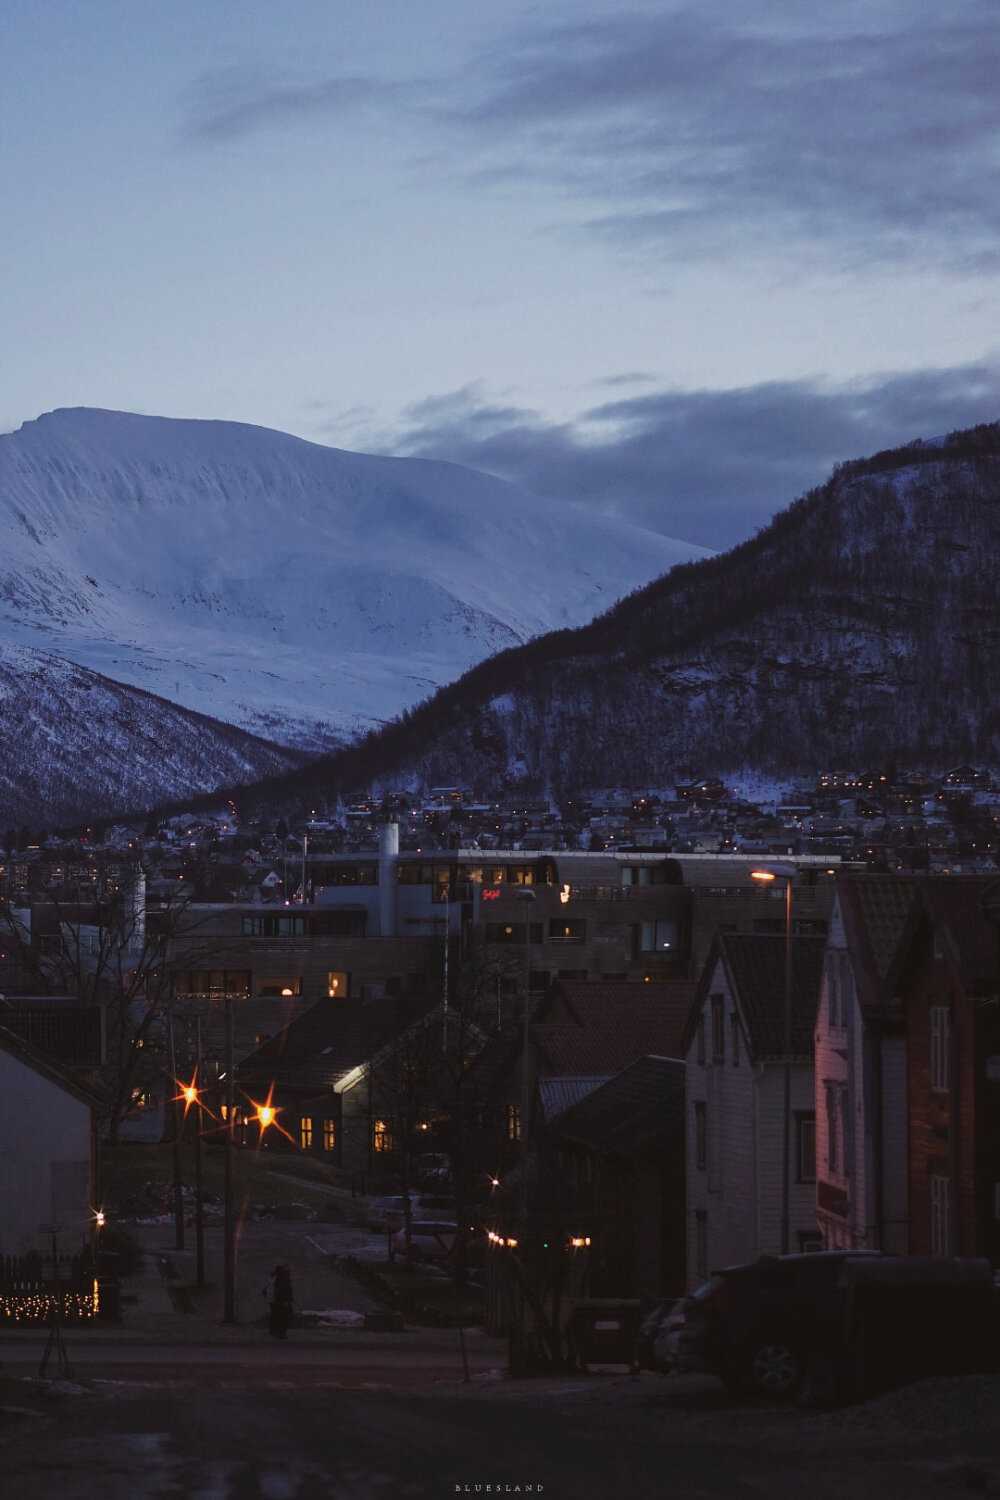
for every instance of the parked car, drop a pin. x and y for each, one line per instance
(430, 1239)
(389, 1214)
(846, 1322)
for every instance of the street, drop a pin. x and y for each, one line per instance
(173, 1403)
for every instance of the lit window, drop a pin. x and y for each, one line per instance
(305, 1133)
(336, 984)
(381, 1135)
(330, 1135)
(513, 1123)
(284, 984)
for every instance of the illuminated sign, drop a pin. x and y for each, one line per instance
(491, 895)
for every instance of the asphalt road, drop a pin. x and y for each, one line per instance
(575, 1440)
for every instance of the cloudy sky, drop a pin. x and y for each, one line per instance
(672, 259)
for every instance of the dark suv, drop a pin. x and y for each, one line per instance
(844, 1321)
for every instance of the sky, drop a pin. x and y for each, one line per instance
(673, 260)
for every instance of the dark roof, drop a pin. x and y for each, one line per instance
(59, 1025)
(875, 910)
(91, 1093)
(559, 1094)
(755, 963)
(317, 1048)
(615, 1023)
(955, 904)
(636, 1111)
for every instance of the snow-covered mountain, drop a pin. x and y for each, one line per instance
(298, 591)
(75, 746)
(862, 626)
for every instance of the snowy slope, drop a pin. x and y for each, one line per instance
(75, 746)
(299, 591)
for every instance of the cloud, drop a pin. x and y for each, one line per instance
(704, 466)
(703, 132)
(229, 105)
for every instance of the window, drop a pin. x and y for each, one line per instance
(661, 936)
(939, 1048)
(701, 1135)
(330, 1135)
(805, 1145)
(567, 929)
(513, 1123)
(337, 984)
(734, 1039)
(281, 984)
(832, 1128)
(810, 1241)
(718, 1028)
(701, 1039)
(381, 1135)
(833, 991)
(701, 1244)
(940, 1214)
(306, 1133)
(512, 932)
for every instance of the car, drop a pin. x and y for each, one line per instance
(843, 1322)
(382, 1210)
(430, 1239)
(389, 1214)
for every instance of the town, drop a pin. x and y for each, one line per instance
(664, 1032)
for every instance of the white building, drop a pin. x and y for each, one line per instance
(47, 1146)
(735, 1102)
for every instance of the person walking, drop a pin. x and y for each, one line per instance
(279, 1297)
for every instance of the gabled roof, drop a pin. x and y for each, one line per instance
(755, 968)
(636, 1111)
(953, 905)
(92, 1094)
(59, 1025)
(875, 909)
(559, 1094)
(612, 1023)
(317, 1048)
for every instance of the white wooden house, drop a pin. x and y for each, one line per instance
(47, 1146)
(860, 1048)
(735, 1102)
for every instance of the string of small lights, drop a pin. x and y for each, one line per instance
(38, 1306)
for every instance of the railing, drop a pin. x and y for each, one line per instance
(29, 1295)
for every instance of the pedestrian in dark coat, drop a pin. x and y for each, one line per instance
(279, 1297)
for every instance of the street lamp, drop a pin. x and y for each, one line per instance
(765, 876)
(527, 897)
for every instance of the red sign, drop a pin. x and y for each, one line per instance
(491, 895)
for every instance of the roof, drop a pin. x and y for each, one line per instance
(59, 1025)
(92, 1094)
(559, 1094)
(875, 909)
(317, 1048)
(611, 1023)
(755, 966)
(635, 1111)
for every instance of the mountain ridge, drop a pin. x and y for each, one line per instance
(860, 625)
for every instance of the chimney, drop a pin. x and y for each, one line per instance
(388, 879)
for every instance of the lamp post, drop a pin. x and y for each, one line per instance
(764, 876)
(527, 897)
(229, 1220)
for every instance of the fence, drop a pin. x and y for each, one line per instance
(31, 1293)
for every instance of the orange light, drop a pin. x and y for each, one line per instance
(265, 1114)
(762, 875)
